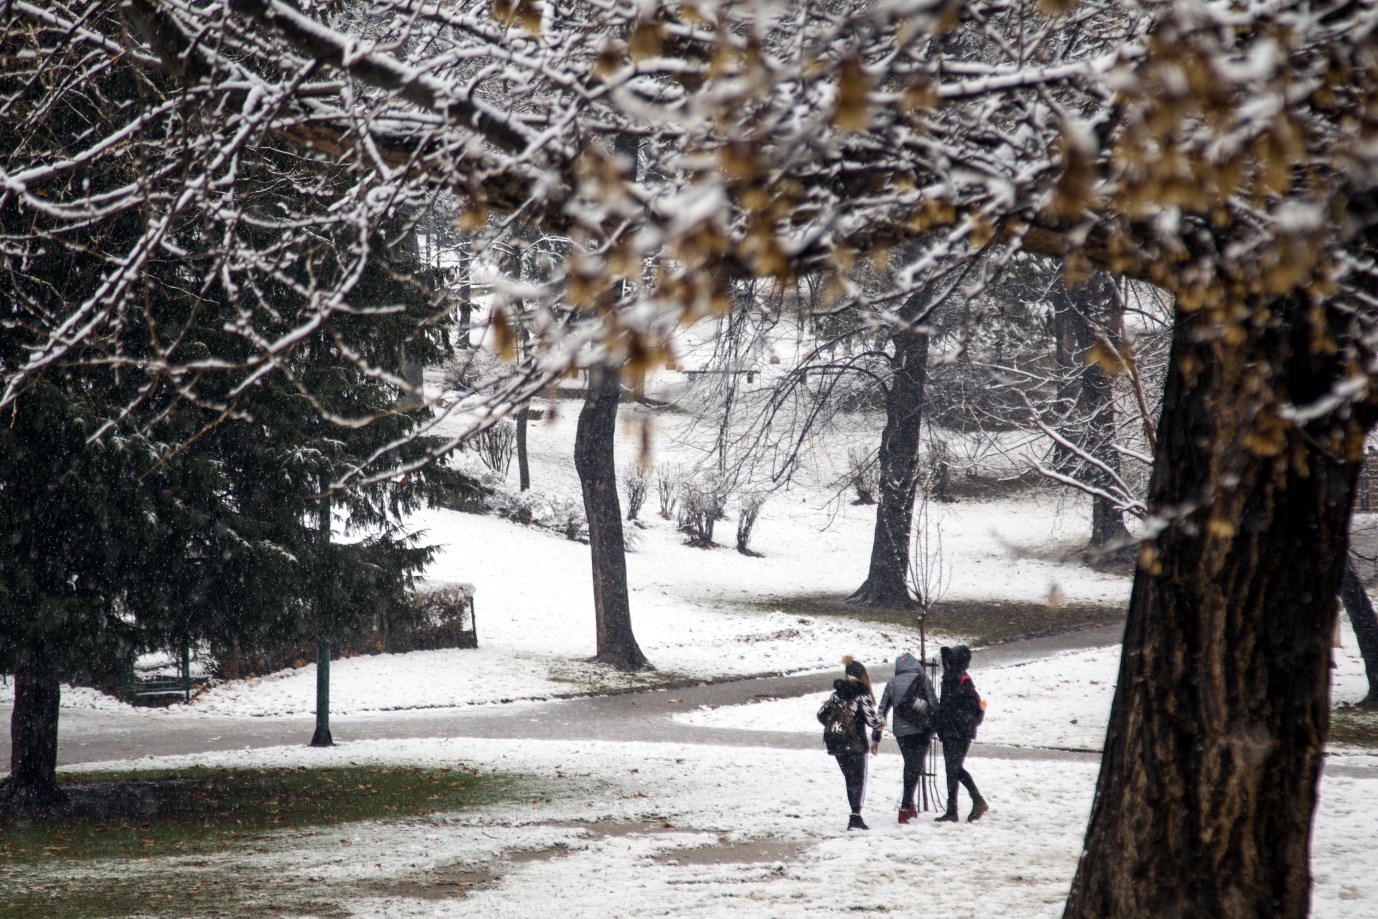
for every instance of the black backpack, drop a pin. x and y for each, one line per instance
(914, 704)
(840, 734)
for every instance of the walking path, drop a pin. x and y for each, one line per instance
(646, 716)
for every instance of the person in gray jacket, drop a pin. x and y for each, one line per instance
(913, 724)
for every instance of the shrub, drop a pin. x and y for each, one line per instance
(497, 445)
(567, 517)
(746, 520)
(447, 606)
(525, 507)
(863, 475)
(702, 503)
(442, 618)
(635, 485)
(668, 480)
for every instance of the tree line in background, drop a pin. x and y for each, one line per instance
(213, 186)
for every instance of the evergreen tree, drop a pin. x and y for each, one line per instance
(145, 509)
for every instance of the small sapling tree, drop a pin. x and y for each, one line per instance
(635, 487)
(751, 503)
(669, 479)
(496, 446)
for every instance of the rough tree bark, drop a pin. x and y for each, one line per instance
(887, 580)
(466, 295)
(1359, 608)
(1091, 398)
(32, 782)
(522, 417)
(523, 462)
(1209, 776)
(1067, 359)
(1096, 403)
(594, 460)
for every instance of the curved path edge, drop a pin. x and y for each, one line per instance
(644, 716)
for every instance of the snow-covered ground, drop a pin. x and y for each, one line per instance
(690, 830)
(775, 816)
(709, 613)
(697, 613)
(1061, 701)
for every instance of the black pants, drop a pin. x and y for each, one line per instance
(853, 766)
(914, 749)
(954, 754)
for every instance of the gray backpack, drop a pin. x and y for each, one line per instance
(915, 705)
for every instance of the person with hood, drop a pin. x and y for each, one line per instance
(850, 710)
(912, 724)
(959, 712)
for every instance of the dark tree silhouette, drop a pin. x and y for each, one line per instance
(1359, 608)
(1082, 316)
(887, 581)
(594, 460)
(1209, 776)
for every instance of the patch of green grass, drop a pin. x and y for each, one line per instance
(983, 621)
(154, 814)
(1355, 726)
(165, 894)
(167, 825)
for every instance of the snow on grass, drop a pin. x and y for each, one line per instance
(1348, 679)
(1061, 702)
(75, 698)
(709, 613)
(697, 613)
(617, 836)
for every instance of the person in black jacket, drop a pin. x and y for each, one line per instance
(959, 713)
(853, 692)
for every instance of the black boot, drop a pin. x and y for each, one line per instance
(949, 817)
(856, 823)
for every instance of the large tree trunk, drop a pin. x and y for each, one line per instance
(1209, 777)
(1107, 520)
(414, 373)
(1365, 623)
(523, 461)
(466, 294)
(887, 580)
(523, 417)
(1090, 402)
(33, 736)
(1067, 357)
(593, 458)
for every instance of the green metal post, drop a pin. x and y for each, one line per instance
(322, 736)
(186, 669)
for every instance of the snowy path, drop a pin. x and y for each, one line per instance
(633, 717)
(646, 717)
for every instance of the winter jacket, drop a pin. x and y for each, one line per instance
(908, 668)
(852, 692)
(960, 710)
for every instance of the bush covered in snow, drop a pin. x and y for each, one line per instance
(702, 503)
